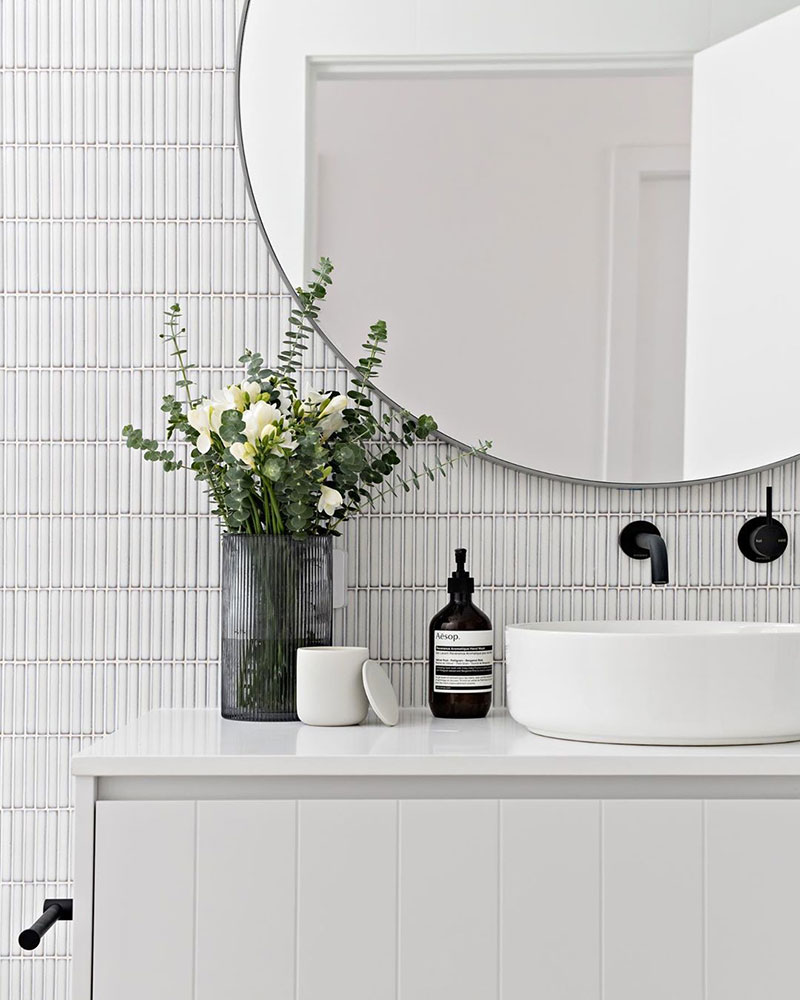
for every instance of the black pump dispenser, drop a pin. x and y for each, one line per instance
(460, 660)
(460, 581)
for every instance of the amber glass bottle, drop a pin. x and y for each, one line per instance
(460, 659)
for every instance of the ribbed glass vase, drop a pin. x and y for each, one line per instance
(277, 595)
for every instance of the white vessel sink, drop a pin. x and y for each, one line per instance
(670, 683)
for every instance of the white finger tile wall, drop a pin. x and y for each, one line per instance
(120, 188)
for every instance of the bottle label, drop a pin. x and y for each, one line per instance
(462, 661)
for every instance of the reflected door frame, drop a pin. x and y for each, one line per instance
(632, 167)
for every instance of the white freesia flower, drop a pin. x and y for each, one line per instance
(330, 425)
(236, 397)
(230, 397)
(221, 400)
(333, 416)
(224, 398)
(244, 452)
(330, 500)
(252, 389)
(278, 442)
(336, 404)
(326, 402)
(202, 419)
(286, 443)
(259, 419)
(273, 442)
(331, 409)
(285, 401)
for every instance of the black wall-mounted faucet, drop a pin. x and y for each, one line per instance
(642, 540)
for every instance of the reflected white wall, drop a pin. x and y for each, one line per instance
(474, 215)
(743, 345)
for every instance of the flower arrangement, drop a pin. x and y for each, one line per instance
(279, 461)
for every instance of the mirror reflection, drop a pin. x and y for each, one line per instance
(523, 223)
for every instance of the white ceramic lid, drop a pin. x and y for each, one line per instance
(380, 693)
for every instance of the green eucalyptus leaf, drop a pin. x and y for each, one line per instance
(273, 468)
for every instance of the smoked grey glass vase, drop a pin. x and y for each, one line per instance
(277, 595)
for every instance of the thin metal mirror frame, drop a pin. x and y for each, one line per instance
(438, 436)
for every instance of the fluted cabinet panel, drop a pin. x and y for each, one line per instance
(120, 187)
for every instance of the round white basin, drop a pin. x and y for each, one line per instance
(667, 683)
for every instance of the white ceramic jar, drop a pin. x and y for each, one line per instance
(330, 689)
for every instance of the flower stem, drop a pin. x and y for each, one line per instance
(271, 510)
(256, 517)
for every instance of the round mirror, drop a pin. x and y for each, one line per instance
(509, 189)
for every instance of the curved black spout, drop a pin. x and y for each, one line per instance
(642, 540)
(659, 563)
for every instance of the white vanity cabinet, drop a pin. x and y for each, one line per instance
(464, 860)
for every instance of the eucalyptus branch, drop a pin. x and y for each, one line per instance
(416, 477)
(296, 337)
(172, 331)
(367, 367)
(135, 440)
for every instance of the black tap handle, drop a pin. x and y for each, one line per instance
(52, 911)
(763, 539)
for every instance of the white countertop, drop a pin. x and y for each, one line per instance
(198, 742)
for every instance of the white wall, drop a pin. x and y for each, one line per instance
(119, 186)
